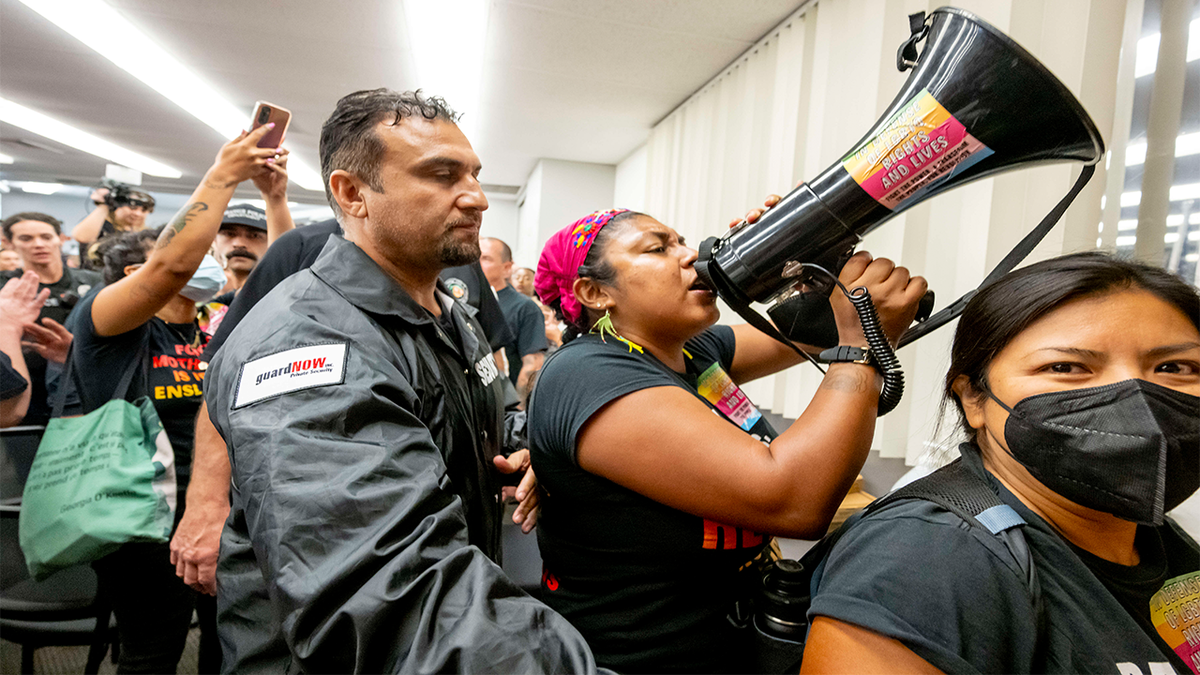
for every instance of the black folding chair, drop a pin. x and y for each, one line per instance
(63, 610)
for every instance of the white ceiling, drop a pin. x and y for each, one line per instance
(579, 80)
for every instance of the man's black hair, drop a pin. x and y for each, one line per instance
(46, 218)
(348, 139)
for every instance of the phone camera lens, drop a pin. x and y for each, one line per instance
(264, 115)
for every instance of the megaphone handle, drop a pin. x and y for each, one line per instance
(906, 55)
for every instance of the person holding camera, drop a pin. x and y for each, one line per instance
(37, 239)
(117, 209)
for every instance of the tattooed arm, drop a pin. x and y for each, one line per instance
(664, 444)
(130, 302)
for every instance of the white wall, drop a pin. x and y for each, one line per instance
(557, 194)
(529, 209)
(500, 220)
(629, 190)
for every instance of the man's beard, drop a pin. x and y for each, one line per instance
(452, 252)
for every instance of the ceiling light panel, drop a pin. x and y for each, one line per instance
(448, 39)
(1147, 50)
(94, 23)
(34, 121)
(38, 188)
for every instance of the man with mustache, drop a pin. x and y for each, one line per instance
(364, 414)
(240, 243)
(246, 233)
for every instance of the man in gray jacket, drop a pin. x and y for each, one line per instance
(362, 409)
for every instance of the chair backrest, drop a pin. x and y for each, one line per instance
(68, 594)
(18, 445)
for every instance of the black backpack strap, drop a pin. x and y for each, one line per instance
(961, 491)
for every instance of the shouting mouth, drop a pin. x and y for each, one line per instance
(699, 286)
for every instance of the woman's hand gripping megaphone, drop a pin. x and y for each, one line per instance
(899, 298)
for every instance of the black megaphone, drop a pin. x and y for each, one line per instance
(976, 104)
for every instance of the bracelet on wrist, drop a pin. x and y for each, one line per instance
(848, 354)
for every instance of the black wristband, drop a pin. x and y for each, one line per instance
(848, 354)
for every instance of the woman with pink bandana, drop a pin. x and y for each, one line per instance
(663, 483)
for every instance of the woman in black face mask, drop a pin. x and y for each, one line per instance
(1077, 381)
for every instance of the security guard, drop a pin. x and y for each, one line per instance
(362, 409)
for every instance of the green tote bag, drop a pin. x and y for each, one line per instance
(97, 482)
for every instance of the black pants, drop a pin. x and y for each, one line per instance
(210, 646)
(153, 608)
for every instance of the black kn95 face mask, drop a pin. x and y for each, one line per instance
(1131, 449)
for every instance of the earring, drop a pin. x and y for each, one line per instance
(605, 325)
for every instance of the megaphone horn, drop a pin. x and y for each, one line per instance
(975, 104)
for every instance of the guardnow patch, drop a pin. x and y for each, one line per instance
(291, 370)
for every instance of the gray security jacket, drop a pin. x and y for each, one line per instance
(364, 503)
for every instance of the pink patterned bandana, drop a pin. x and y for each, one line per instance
(565, 251)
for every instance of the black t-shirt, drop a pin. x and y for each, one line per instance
(528, 325)
(172, 376)
(12, 383)
(649, 587)
(65, 294)
(954, 595)
(466, 283)
(298, 249)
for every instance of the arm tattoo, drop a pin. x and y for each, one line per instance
(846, 383)
(213, 185)
(180, 221)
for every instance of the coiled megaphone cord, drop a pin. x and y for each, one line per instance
(881, 350)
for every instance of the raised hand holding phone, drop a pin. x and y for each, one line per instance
(267, 113)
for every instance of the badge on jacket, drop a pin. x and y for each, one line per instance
(458, 289)
(291, 370)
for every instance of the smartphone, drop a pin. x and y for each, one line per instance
(265, 113)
